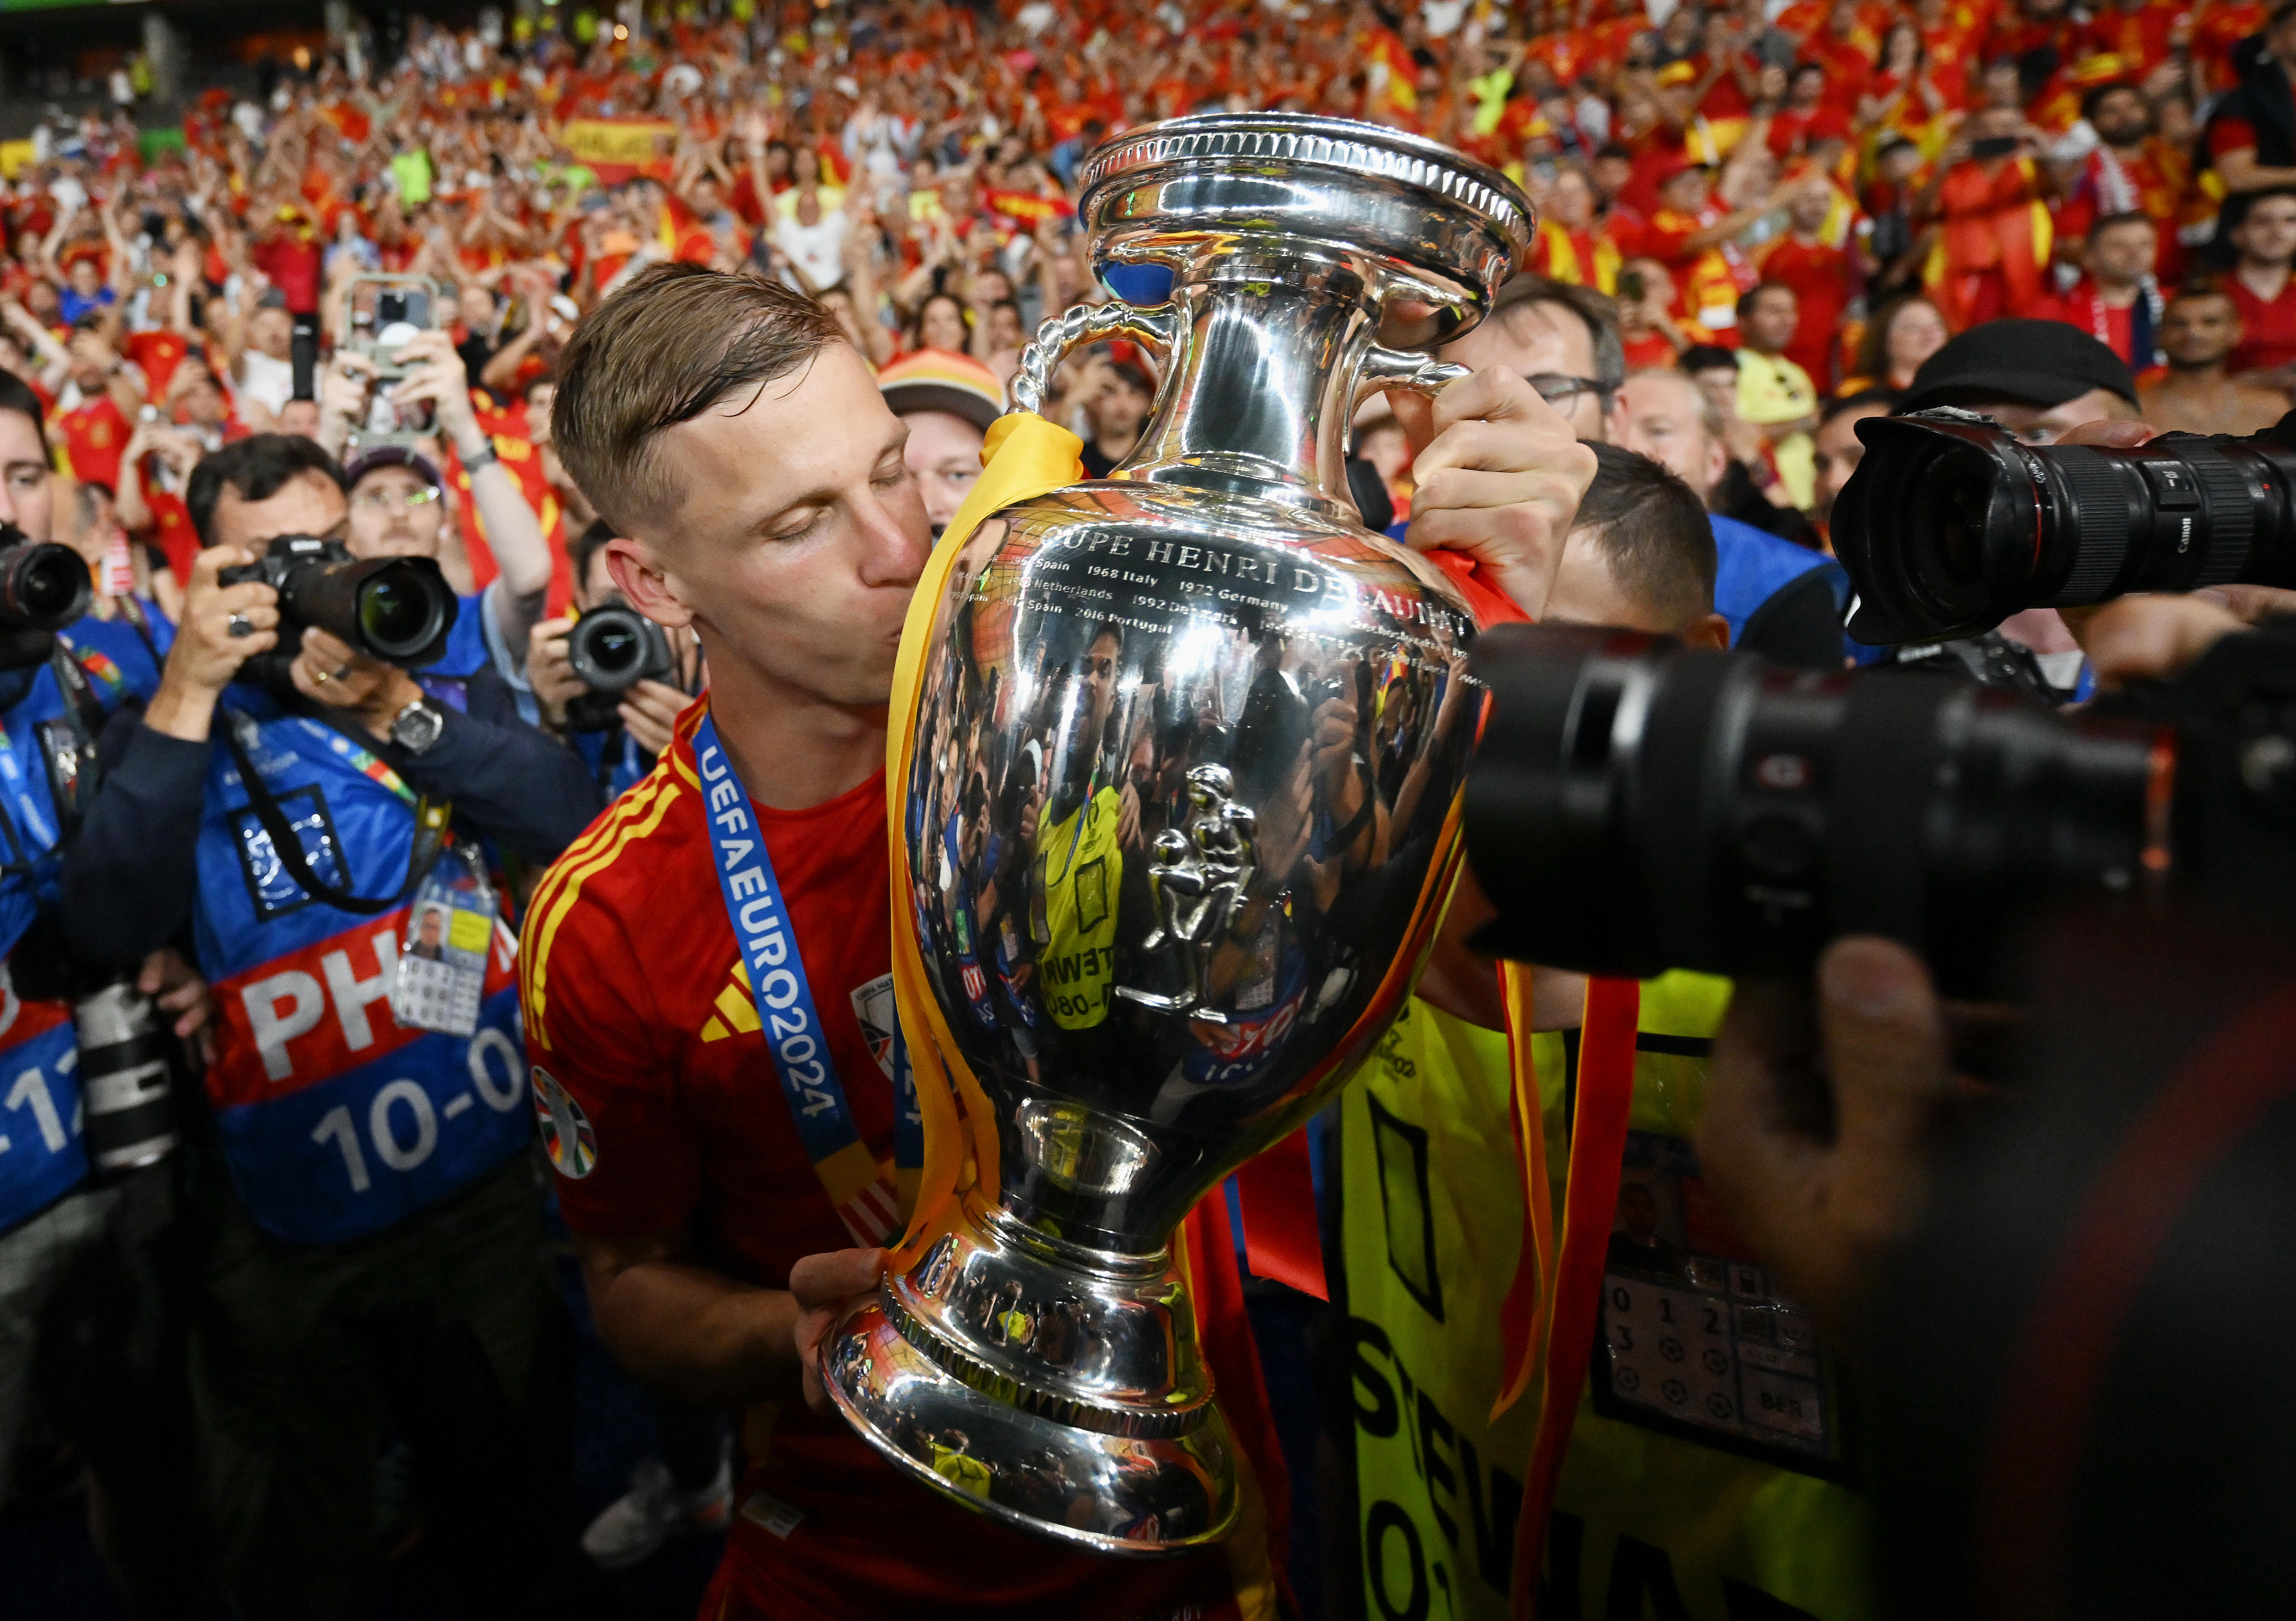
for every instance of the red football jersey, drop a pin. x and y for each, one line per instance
(1819, 275)
(632, 1008)
(94, 436)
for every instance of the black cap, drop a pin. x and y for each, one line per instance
(394, 456)
(2034, 363)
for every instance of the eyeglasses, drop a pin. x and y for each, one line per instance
(1557, 390)
(384, 500)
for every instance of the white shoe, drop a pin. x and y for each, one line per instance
(654, 1510)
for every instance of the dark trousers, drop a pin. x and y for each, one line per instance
(692, 1441)
(92, 1329)
(450, 1330)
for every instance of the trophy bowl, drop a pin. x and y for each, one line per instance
(1182, 813)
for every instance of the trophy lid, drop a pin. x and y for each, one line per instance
(1385, 193)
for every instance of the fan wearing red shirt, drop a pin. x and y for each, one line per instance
(1847, 51)
(1806, 99)
(95, 430)
(2025, 27)
(2138, 31)
(288, 249)
(777, 518)
(1691, 234)
(2115, 302)
(2260, 288)
(2131, 169)
(1573, 245)
(1819, 274)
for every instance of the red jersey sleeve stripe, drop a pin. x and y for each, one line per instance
(640, 820)
(599, 834)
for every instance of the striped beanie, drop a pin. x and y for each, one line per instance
(935, 380)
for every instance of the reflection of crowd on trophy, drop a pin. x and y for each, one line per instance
(1138, 822)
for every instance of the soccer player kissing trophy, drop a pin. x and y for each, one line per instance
(1176, 809)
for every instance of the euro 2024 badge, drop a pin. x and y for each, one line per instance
(566, 1134)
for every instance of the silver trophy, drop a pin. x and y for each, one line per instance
(1181, 818)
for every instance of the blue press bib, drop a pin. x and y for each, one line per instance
(336, 1124)
(41, 1154)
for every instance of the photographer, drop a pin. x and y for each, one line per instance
(2042, 381)
(370, 1253)
(2021, 1270)
(402, 505)
(90, 1338)
(618, 753)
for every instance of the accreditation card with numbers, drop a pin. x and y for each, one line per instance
(1697, 1339)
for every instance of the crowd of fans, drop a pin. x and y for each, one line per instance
(1759, 223)
(1818, 194)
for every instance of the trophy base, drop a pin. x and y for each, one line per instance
(1131, 1497)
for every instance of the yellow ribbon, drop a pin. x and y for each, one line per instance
(1024, 456)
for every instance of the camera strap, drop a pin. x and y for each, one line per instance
(132, 610)
(856, 1184)
(67, 746)
(430, 833)
(68, 742)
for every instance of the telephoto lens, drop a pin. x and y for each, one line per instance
(1951, 525)
(125, 1078)
(396, 609)
(43, 586)
(612, 648)
(1636, 806)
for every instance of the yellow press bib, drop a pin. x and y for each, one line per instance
(1649, 1520)
(1079, 867)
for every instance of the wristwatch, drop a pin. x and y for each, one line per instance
(474, 460)
(417, 726)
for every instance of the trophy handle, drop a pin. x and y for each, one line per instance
(1159, 328)
(1403, 369)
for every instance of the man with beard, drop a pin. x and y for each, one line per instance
(2132, 170)
(1839, 448)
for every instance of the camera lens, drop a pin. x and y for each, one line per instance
(614, 648)
(397, 613)
(43, 587)
(50, 582)
(1950, 524)
(1635, 806)
(1961, 533)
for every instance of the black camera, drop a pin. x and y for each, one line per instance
(612, 648)
(44, 587)
(396, 609)
(1636, 806)
(1950, 524)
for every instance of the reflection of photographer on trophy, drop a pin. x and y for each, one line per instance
(1080, 825)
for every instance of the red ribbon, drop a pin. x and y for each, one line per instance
(1277, 1192)
(1598, 1142)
